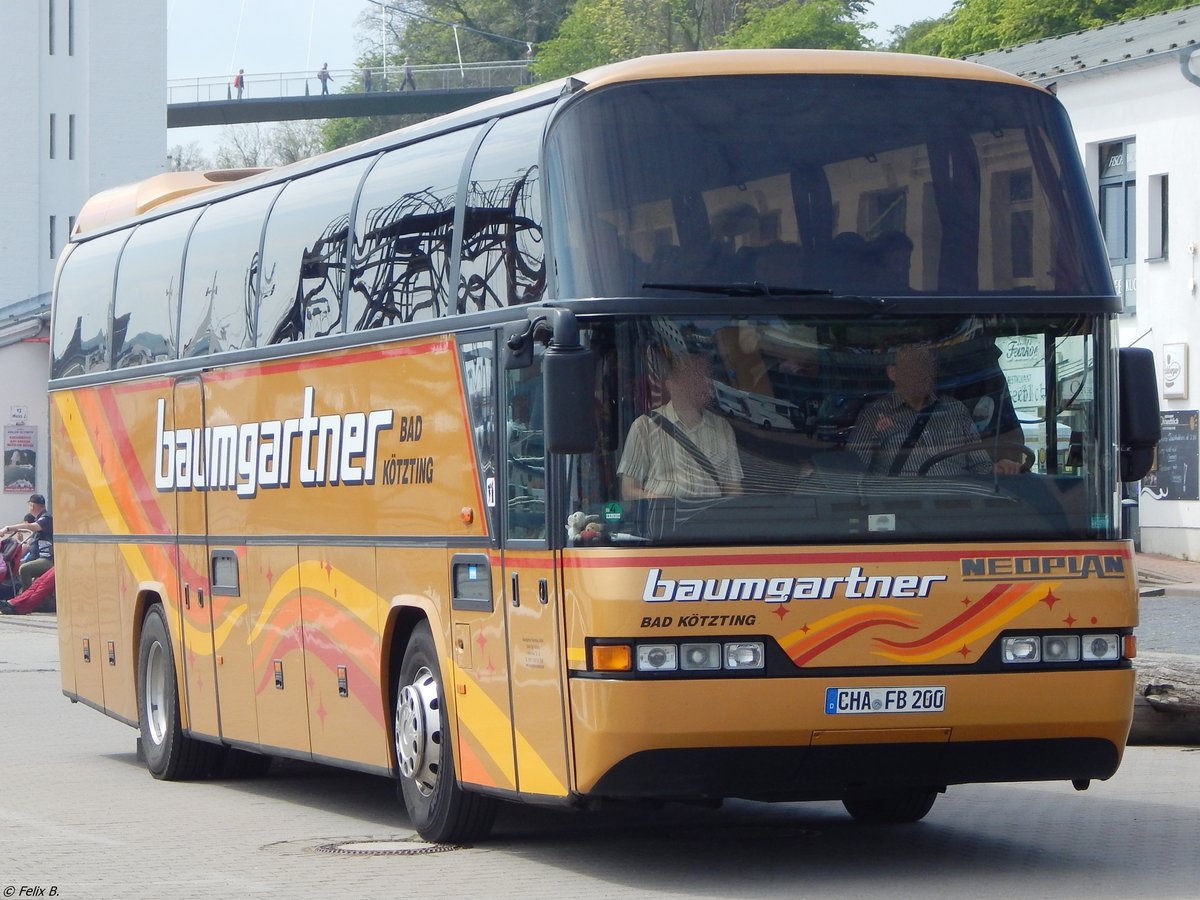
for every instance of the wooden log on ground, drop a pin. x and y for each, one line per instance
(1166, 705)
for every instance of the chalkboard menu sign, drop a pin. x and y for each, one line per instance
(1175, 475)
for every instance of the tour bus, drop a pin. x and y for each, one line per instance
(344, 452)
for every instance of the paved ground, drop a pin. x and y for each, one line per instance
(81, 817)
(1170, 608)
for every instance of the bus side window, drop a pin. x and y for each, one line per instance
(219, 275)
(81, 336)
(304, 256)
(403, 227)
(146, 308)
(503, 252)
(479, 382)
(526, 483)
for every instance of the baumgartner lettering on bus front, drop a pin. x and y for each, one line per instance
(853, 586)
(328, 449)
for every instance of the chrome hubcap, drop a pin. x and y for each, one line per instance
(419, 731)
(156, 694)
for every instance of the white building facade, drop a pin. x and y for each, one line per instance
(85, 111)
(1132, 91)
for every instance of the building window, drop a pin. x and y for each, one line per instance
(70, 226)
(1020, 223)
(50, 23)
(1118, 205)
(71, 136)
(1159, 245)
(70, 27)
(53, 123)
(53, 228)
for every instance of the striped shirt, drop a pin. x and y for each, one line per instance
(881, 429)
(663, 468)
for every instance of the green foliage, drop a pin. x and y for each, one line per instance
(603, 31)
(599, 32)
(343, 132)
(817, 24)
(974, 26)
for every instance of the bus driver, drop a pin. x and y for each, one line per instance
(681, 449)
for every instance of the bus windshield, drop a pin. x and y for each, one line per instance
(787, 430)
(863, 185)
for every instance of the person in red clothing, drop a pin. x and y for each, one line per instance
(30, 599)
(41, 545)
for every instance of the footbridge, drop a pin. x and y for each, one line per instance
(279, 96)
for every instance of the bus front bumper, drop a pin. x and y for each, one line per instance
(771, 739)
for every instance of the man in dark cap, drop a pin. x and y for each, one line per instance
(41, 555)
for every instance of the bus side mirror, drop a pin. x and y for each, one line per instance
(1139, 424)
(568, 376)
(569, 380)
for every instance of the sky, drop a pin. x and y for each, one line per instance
(217, 37)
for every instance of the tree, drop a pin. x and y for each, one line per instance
(603, 31)
(343, 132)
(974, 26)
(188, 158)
(819, 24)
(290, 142)
(255, 145)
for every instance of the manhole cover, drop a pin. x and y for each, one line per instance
(394, 847)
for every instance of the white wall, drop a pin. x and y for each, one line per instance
(114, 84)
(1160, 109)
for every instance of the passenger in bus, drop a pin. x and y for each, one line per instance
(889, 258)
(681, 449)
(899, 433)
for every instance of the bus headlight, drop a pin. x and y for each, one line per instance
(745, 655)
(657, 658)
(1101, 647)
(1060, 647)
(701, 656)
(1021, 649)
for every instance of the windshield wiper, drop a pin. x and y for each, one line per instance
(760, 289)
(736, 289)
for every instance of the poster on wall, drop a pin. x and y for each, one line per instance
(20, 458)
(1175, 475)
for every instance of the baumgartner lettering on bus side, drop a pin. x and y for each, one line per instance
(331, 449)
(854, 585)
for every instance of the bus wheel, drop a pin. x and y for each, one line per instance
(170, 754)
(889, 805)
(440, 809)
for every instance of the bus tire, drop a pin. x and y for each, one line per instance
(170, 754)
(889, 805)
(439, 808)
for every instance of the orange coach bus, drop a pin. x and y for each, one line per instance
(737, 424)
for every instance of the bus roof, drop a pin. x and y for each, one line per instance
(130, 200)
(121, 204)
(787, 62)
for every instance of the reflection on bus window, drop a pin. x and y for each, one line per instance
(503, 257)
(526, 489)
(400, 267)
(1012, 449)
(962, 193)
(304, 256)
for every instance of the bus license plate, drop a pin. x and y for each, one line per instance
(848, 701)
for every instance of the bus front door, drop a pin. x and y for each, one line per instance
(195, 595)
(533, 607)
